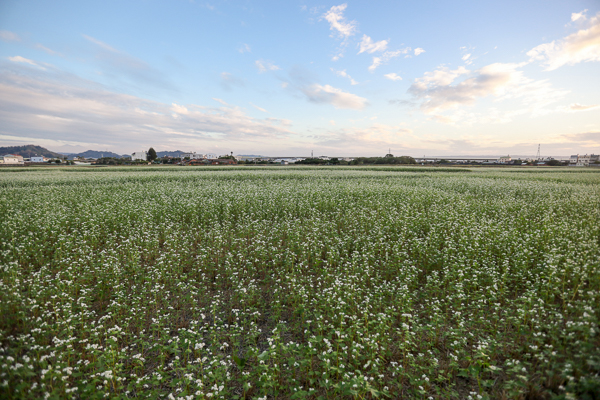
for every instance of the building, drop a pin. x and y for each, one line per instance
(222, 161)
(14, 159)
(37, 159)
(505, 160)
(139, 155)
(583, 160)
(193, 155)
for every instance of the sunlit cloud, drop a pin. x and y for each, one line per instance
(367, 45)
(578, 107)
(264, 66)
(578, 16)
(258, 108)
(418, 51)
(336, 97)
(338, 23)
(582, 46)
(344, 74)
(440, 90)
(393, 76)
(51, 107)
(386, 57)
(19, 59)
(44, 48)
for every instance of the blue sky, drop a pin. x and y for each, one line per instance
(288, 77)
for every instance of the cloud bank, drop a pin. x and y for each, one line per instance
(66, 109)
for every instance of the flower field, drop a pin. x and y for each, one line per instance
(299, 283)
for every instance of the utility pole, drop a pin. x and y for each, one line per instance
(538, 157)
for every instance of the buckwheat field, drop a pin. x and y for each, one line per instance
(299, 283)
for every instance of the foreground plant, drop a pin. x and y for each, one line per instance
(303, 283)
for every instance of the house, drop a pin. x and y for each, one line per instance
(13, 159)
(222, 161)
(139, 155)
(193, 155)
(504, 160)
(37, 159)
(583, 161)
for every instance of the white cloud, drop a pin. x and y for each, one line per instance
(9, 36)
(579, 15)
(466, 57)
(386, 57)
(264, 66)
(258, 108)
(44, 48)
(339, 99)
(582, 46)
(179, 109)
(220, 101)
(578, 107)
(244, 48)
(418, 51)
(344, 74)
(77, 110)
(23, 60)
(367, 45)
(337, 21)
(438, 92)
(101, 44)
(393, 76)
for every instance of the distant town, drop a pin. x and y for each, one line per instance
(36, 155)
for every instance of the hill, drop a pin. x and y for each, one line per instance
(97, 154)
(176, 153)
(29, 151)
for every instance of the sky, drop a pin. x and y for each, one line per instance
(287, 78)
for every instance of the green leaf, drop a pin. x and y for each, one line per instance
(241, 362)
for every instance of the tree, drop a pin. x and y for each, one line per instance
(151, 154)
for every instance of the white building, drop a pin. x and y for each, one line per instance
(583, 160)
(504, 160)
(37, 159)
(139, 155)
(192, 155)
(13, 159)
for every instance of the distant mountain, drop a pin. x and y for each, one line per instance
(176, 153)
(97, 154)
(29, 151)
